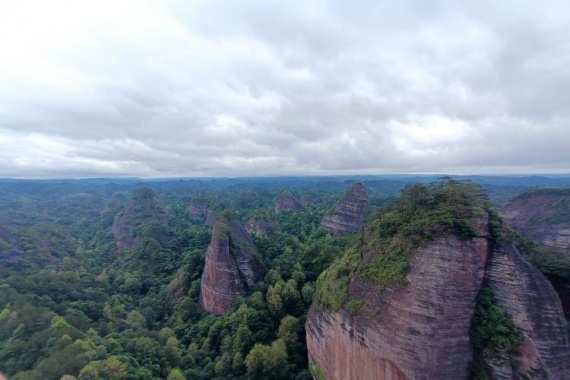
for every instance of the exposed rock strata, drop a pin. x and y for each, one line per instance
(417, 331)
(542, 215)
(534, 305)
(259, 227)
(144, 207)
(231, 268)
(286, 202)
(201, 213)
(422, 330)
(349, 213)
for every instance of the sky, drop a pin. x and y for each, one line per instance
(267, 88)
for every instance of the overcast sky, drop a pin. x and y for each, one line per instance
(261, 87)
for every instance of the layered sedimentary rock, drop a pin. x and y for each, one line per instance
(417, 331)
(421, 330)
(258, 226)
(232, 267)
(201, 213)
(286, 202)
(349, 213)
(542, 215)
(143, 209)
(535, 308)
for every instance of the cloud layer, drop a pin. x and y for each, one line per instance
(210, 88)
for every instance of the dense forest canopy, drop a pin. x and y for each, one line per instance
(73, 302)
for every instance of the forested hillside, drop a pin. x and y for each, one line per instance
(101, 278)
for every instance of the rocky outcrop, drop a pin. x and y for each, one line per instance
(201, 213)
(542, 215)
(417, 331)
(349, 213)
(421, 330)
(232, 267)
(258, 226)
(143, 209)
(286, 202)
(536, 310)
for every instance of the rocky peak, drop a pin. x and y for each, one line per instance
(349, 212)
(542, 215)
(232, 266)
(401, 305)
(286, 202)
(143, 209)
(200, 212)
(258, 226)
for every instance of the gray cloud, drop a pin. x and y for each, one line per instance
(267, 88)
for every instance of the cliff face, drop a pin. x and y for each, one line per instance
(200, 213)
(421, 330)
(534, 305)
(542, 215)
(286, 202)
(417, 331)
(349, 213)
(259, 227)
(231, 267)
(143, 209)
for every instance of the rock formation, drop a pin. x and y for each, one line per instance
(143, 209)
(349, 213)
(535, 308)
(286, 202)
(200, 212)
(421, 330)
(420, 327)
(258, 226)
(542, 215)
(232, 267)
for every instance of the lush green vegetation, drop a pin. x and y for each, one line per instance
(71, 304)
(418, 216)
(493, 333)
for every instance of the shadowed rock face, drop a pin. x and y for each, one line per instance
(349, 213)
(200, 213)
(231, 267)
(259, 227)
(286, 202)
(541, 215)
(422, 330)
(143, 208)
(535, 308)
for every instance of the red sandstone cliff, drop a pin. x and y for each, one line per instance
(286, 202)
(259, 227)
(143, 208)
(350, 212)
(232, 266)
(201, 213)
(421, 330)
(542, 215)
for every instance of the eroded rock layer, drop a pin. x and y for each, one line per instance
(536, 310)
(349, 213)
(201, 213)
(286, 202)
(231, 267)
(143, 209)
(421, 330)
(542, 215)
